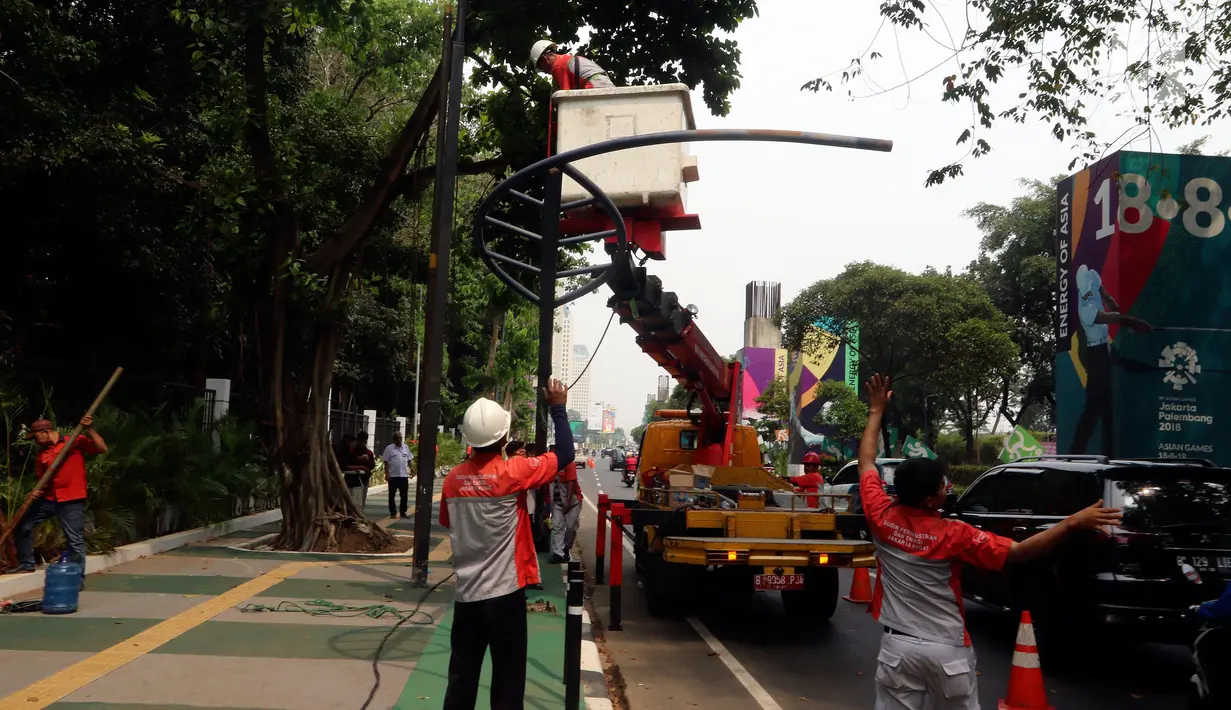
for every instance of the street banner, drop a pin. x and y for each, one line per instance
(577, 427)
(1019, 444)
(1143, 326)
(609, 426)
(915, 449)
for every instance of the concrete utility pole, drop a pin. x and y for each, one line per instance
(452, 60)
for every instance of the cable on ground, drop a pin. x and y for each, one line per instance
(376, 658)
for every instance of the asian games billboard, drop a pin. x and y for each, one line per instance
(609, 425)
(1143, 318)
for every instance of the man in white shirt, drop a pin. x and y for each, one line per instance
(397, 460)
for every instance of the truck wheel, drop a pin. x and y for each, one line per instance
(660, 583)
(817, 601)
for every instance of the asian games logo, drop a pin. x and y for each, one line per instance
(1181, 364)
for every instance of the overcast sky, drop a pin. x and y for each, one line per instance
(797, 214)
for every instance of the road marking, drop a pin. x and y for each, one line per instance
(762, 698)
(59, 685)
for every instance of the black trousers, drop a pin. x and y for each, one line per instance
(401, 486)
(500, 624)
(1098, 401)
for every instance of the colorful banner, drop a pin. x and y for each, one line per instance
(915, 449)
(1019, 444)
(1144, 308)
(759, 367)
(609, 426)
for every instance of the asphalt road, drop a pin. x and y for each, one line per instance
(736, 654)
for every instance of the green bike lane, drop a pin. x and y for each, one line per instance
(143, 618)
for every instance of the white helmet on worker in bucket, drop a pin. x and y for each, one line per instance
(485, 423)
(537, 50)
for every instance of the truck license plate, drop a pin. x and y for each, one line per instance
(777, 582)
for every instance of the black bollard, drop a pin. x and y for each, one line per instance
(575, 597)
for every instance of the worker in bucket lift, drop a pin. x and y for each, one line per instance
(812, 480)
(925, 657)
(483, 505)
(570, 72)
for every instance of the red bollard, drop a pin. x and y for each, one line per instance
(617, 564)
(600, 545)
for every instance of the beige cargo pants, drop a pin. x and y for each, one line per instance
(913, 674)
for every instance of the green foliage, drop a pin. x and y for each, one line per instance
(1016, 266)
(841, 409)
(775, 400)
(1160, 62)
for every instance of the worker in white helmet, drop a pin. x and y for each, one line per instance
(483, 505)
(569, 71)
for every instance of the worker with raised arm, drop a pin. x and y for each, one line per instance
(569, 71)
(925, 658)
(811, 480)
(483, 504)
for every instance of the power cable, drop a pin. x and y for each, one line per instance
(381, 647)
(596, 347)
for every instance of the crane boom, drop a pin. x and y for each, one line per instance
(668, 333)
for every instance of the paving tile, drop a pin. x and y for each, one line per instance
(220, 567)
(162, 681)
(382, 591)
(162, 583)
(41, 632)
(141, 706)
(322, 641)
(114, 605)
(21, 668)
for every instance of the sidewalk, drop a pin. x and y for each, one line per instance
(164, 632)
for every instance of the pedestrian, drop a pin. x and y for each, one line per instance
(925, 658)
(356, 462)
(569, 72)
(483, 504)
(812, 480)
(565, 512)
(515, 448)
(397, 460)
(65, 497)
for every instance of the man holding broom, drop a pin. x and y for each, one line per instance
(65, 496)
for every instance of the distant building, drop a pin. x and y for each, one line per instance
(579, 395)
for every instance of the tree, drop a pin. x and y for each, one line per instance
(841, 410)
(775, 400)
(261, 166)
(1017, 267)
(911, 326)
(1161, 61)
(971, 379)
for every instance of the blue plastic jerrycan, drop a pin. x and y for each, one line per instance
(61, 586)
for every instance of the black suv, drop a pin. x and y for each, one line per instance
(1177, 521)
(617, 459)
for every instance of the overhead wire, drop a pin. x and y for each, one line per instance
(596, 347)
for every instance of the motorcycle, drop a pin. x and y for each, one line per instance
(628, 478)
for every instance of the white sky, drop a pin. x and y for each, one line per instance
(797, 214)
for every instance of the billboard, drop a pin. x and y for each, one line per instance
(1143, 318)
(609, 426)
(825, 357)
(758, 367)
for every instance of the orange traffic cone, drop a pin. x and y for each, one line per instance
(861, 587)
(1026, 690)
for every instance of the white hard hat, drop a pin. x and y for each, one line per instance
(537, 50)
(485, 423)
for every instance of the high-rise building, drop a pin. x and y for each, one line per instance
(579, 395)
(562, 347)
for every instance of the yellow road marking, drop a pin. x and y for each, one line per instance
(59, 685)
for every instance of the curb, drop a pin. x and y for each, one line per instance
(12, 585)
(592, 677)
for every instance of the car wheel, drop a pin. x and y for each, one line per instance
(817, 601)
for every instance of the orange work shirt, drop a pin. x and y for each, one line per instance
(69, 483)
(570, 75)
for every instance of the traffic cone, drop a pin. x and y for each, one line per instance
(1026, 690)
(861, 587)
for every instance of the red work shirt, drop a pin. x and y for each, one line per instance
(919, 557)
(69, 483)
(568, 477)
(483, 505)
(809, 483)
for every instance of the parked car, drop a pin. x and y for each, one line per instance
(1142, 578)
(846, 482)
